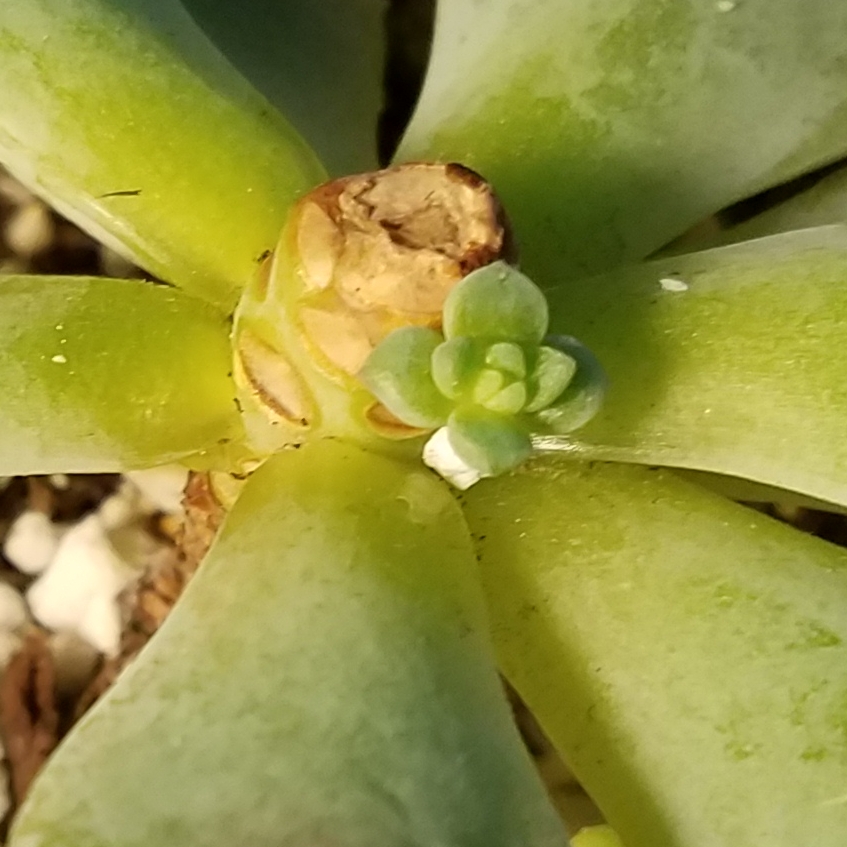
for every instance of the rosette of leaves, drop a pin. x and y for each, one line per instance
(328, 678)
(494, 377)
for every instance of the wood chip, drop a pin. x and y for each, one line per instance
(29, 719)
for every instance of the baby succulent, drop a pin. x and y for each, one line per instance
(492, 376)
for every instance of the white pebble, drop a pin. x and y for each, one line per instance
(79, 590)
(31, 542)
(162, 486)
(60, 481)
(13, 613)
(438, 454)
(122, 507)
(100, 626)
(30, 229)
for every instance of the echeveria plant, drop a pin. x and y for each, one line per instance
(328, 677)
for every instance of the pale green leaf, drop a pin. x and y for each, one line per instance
(494, 302)
(732, 361)
(553, 370)
(455, 363)
(399, 373)
(320, 64)
(128, 120)
(489, 443)
(326, 679)
(106, 375)
(688, 656)
(611, 126)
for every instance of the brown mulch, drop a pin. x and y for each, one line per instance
(29, 718)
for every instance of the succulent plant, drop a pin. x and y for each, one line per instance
(331, 675)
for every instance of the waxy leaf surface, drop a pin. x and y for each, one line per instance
(732, 361)
(611, 126)
(326, 679)
(102, 375)
(128, 120)
(688, 655)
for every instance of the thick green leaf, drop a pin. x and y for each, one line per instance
(494, 302)
(399, 373)
(611, 126)
(125, 117)
(689, 656)
(106, 375)
(326, 679)
(320, 64)
(733, 361)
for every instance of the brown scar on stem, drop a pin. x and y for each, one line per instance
(383, 250)
(273, 380)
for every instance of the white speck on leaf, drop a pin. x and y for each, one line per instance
(726, 5)
(673, 283)
(59, 359)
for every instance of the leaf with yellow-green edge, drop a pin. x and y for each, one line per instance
(105, 375)
(326, 679)
(611, 126)
(732, 361)
(127, 119)
(687, 655)
(321, 64)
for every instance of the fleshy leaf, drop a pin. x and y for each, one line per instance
(129, 121)
(489, 443)
(687, 655)
(732, 361)
(399, 374)
(454, 364)
(554, 369)
(325, 679)
(584, 391)
(609, 128)
(105, 375)
(496, 302)
(508, 357)
(321, 65)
